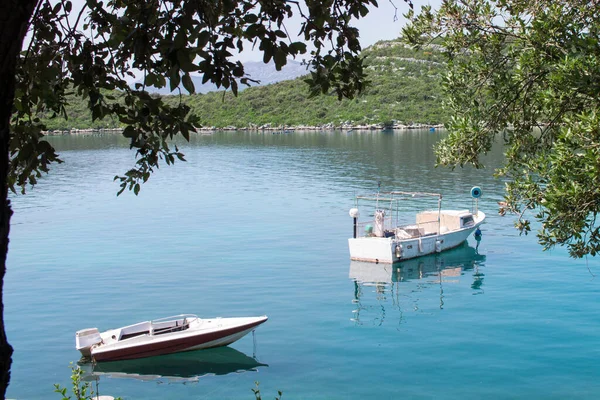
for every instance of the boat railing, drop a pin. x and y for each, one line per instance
(175, 317)
(394, 196)
(386, 212)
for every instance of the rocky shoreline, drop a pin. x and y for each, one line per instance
(269, 128)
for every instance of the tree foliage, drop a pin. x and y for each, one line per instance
(92, 52)
(404, 86)
(81, 389)
(526, 73)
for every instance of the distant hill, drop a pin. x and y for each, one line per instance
(405, 88)
(264, 73)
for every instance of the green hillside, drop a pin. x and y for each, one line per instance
(405, 87)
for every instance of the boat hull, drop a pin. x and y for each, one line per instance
(383, 250)
(192, 339)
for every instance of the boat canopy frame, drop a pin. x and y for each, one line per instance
(398, 196)
(393, 200)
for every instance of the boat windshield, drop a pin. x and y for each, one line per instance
(172, 324)
(187, 317)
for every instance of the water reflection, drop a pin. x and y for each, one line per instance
(399, 159)
(380, 289)
(179, 367)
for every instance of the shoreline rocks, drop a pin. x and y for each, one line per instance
(269, 128)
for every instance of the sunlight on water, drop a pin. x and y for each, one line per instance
(258, 224)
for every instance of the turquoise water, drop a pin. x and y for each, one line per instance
(258, 224)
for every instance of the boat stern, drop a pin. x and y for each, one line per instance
(372, 249)
(85, 339)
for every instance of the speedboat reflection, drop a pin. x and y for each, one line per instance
(380, 289)
(177, 367)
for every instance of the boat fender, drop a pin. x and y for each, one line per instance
(476, 192)
(477, 234)
(398, 250)
(438, 246)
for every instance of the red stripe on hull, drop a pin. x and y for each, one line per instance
(169, 346)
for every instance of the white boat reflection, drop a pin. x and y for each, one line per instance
(380, 289)
(175, 368)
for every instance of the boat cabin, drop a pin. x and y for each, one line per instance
(449, 220)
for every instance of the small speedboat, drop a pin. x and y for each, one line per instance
(168, 335)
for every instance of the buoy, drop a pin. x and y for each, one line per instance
(477, 234)
(476, 192)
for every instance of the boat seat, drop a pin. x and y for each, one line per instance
(168, 327)
(134, 334)
(402, 234)
(409, 232)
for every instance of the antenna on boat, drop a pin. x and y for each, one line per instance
(439, 214)
(378, 190)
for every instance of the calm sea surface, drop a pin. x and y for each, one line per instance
(258, 224)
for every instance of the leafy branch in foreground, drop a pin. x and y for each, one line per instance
(81, 390)
(258, 396)
(526, 73)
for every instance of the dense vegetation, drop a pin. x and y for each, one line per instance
(405, 86)
(530, 71)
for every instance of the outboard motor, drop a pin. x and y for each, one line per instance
(379, 223)
(85, 339)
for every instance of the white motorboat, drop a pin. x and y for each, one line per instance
(379, 238)
(168, 335)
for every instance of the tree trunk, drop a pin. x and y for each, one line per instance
(14, 20)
